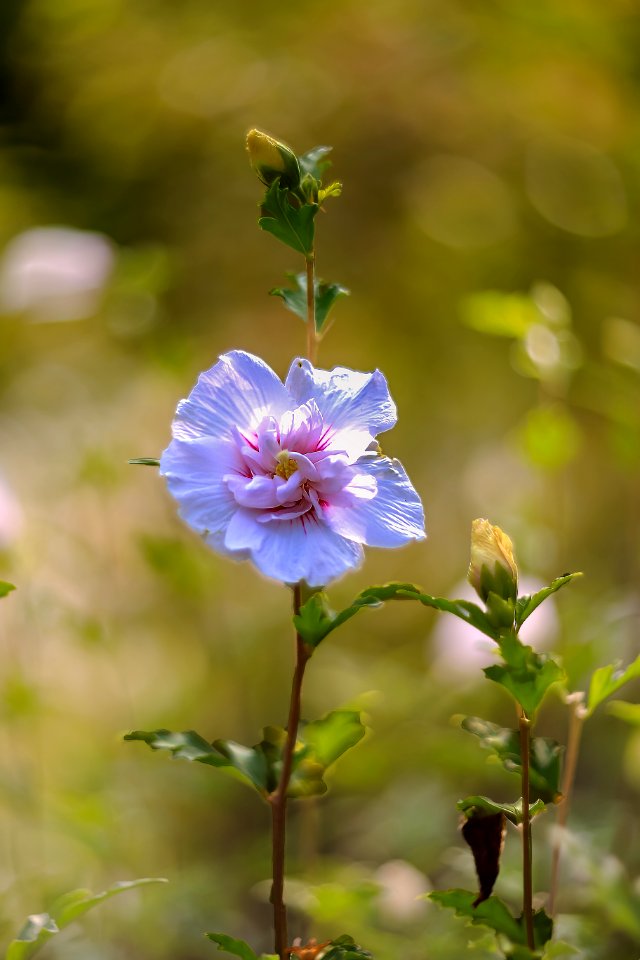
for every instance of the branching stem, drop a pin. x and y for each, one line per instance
(278, 798)
(527, 882)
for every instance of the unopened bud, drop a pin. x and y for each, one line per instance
(493, 568)
(271, 159)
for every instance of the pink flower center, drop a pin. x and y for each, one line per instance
(289, 469)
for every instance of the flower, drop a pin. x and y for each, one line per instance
(493, 567)
(286, 474)
(271, 159)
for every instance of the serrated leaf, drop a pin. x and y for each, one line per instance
(494, 913)
(319, 744)
(249, 761)
(292, 225)
(144, 462)
(525, 605)
(189, 745)
(41, 927)
(527, 675)
(5, 588)
(471, 806)
(316, 619)
(237, 948)
(313, 161)
(545, 760)
(331, 736)
(608, 680)
(295, 298)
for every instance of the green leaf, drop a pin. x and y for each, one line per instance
(292, 225)
(527, 604)
(330, 737)
(345, 948)
(558, 948)
(494, 913)
(473, 806)
(41, 927)
(313, 161)
(189, 745)
(608, 680)
(144, 462)
(318, 745)
(545, 759)
(237, 948)
(629, 712)
(527, 675)
(38, 928)
(248, 761)
(5, 588)
(76, 903)
(317, 620)
(295, 299)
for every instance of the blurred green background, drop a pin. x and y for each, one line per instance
(488, 230)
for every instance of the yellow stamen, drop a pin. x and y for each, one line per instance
(286, 466)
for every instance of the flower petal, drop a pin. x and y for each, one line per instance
(243, 532)
(240, 390)
(194, 471)
(294, 550)
(390, 518)
(356, 406)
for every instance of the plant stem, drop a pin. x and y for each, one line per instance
(278, 798)
(312, 339)
(527, 883)
(576, 723)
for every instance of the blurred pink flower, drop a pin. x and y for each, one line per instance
(11, 516)
(286, 474)
(55, 273)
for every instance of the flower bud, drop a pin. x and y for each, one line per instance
(493, 568)
(272, 159)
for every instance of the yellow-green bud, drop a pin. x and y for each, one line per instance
(493, 567)
(273, 160)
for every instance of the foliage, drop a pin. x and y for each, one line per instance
(494, 913)
(295, 298)
(608, 680)
(288, 221)
(319, 744)
(504, 743)
(527, 675)
(39, 928)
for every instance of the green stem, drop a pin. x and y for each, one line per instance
(527, 882)
(576, 723)
(278, 798)
(312, 339)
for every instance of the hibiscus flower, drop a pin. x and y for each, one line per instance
(288, 475)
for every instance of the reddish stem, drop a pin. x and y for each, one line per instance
(278, 798)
